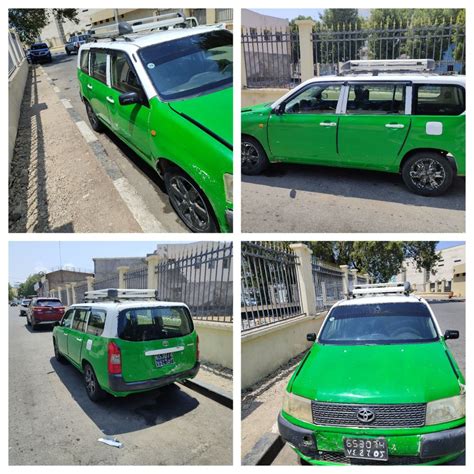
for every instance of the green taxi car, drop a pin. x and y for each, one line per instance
(168, 96)
(407, 123)
(123, 347)
(379, 386)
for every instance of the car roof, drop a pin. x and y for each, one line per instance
(416, 78)
(127, 304)
(380, 300)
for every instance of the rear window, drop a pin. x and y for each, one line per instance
(39, 46)
(53, 303)
(438, 99)
(386, 323)
(85, 61)
(99, 65)
(146, 324)
(376, 99)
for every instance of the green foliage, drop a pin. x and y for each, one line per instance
(11, 293)
(334, 18)
(27, 287)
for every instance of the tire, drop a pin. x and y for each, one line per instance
(189, 202)
(68, 52)
(302, 462)
(28, 321)
(94, 392)
(57, 355)
(428, 174)
(96, 124)
(254, 160)
(34, 326)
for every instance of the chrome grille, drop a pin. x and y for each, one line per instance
(409, 415)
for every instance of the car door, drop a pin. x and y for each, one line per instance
(96, 83)
(77, 334)
(62, 332)
(374, 127)
(304, 129)
(128, 121)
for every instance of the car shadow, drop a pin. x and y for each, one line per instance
(118, 415)
(41, 328)
(60, 58)
(352, 183)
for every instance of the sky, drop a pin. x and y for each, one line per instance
(290, 13)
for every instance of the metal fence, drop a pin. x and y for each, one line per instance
(15, 52)
(328, 283)
(80, 290)
(271, 58)
(224, 14)
(201, 278)
(269, 284)
(111, 281)
(137, 278)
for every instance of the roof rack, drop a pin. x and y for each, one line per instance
(118, 294)
(375, 66)
(143, 26)
(381, 289)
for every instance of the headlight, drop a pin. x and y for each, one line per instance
(446, 409)
(298, 407)
(228, 186)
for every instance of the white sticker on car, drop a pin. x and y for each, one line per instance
(434, 128)
(89, 344)
(150, 65)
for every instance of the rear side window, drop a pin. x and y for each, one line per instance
(124, 77)
(438, 99)
(376, 99)
(99, 66)
(147, 324)
(51, 303)
(85, 61)
(79, 321)
(96, 322)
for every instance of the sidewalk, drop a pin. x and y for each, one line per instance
(56, 183)
(216, 375)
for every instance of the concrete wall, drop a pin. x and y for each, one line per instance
(16, 88)
(104, 267)
(215, 342)
(258, 96)
(267, 348)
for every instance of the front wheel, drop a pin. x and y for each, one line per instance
(427, 174)
(189, 202)
(96, 124)
(68, 52)
(253, 157)
(94, 392)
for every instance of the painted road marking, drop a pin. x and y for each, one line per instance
(56, 89)
(67, 104)
(87, 133)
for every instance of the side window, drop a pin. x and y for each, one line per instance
(96, 322)
(434, 99)
(372, 99)
(67, 318)
(99, 66)
(317, 99)
(80, 318)
(124, 77)
(85, 61)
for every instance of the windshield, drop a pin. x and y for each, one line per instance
(190, 66)
(53, 303)
(386, 323)
(147, 324)
(39, 46)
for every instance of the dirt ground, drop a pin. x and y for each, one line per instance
(216, 375)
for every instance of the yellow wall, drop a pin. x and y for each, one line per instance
(258, 96)
(215, 342)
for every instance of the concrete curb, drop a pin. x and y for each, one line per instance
(265, 451)
(211, 391)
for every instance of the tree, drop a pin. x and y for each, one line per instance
(336, 17)
(424, 255)
(27, 287)
(11, 293)
(29, 22)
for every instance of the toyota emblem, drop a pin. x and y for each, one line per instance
(365, 415)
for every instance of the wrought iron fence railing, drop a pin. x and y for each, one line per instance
(137, 277)
(328, 283)
(15, 52)
(110, 281)
(201, 278)
(269, 284)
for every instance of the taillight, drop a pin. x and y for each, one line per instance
(114, 359)
(38, 309)
(197, 347)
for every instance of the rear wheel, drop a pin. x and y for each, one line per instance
(428, 174)
(96, 124)
(253, 157)
(57, 355)
(93, 389)
(34, 326)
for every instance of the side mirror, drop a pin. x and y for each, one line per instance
(311, 337)
(57, 323)
(280, 110)
(129, 98)
(451, 334)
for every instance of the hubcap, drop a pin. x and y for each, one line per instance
(189, 204)
(427, 173)
(249, 155)
(91, 116)
(90, 382)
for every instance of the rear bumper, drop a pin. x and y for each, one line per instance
(118, 384)
(50, 319)
(431, 448)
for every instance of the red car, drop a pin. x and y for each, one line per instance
(44, 311)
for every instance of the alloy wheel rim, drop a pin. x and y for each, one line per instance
(189, 203)
(249, 155)
(427, 173)
(90, 382)
(91, 116)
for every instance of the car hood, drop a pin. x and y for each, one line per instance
(408, 373)
(259, 108)
(212, 111)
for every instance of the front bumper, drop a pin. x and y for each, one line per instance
(118, 384)
(430, 448)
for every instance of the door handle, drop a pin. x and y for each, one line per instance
(394, 125)
(109, 99)
(78, 339)
(89, 86)
(328, 124)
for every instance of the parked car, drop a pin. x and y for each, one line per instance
(168, 96)
(13, 303)
(123, 346)
(25, 302)
(75, 42)
(39, 53)
(409, 123)
(44, 311)
(378, 386)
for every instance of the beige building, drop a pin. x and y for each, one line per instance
(458, 286)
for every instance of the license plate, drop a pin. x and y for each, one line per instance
(365, 448)
(164, 359)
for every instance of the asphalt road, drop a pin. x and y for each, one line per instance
(299, 198)
(450, 315)
(53, 422)
(63, 72)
